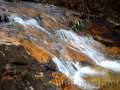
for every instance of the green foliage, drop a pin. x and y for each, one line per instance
(77, 26)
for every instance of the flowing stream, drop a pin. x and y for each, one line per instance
(84, 44)
(30, 22)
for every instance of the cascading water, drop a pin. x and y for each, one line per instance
(30, 22)
(60, 46)
(86, 45)
(75, 72)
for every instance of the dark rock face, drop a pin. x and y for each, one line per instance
(109, 8)
(11, 0)
(105, 32)
(19, 71)
(90, 6)
(4, 18)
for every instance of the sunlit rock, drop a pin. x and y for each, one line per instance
(113, 52)
(6, 39)
(28, 11)
(37, 52)
(18, 70)
(75, 55)
(59, 79)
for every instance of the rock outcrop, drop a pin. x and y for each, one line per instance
(107, 8)
(40, 51)
(20, 71)
(104, 31)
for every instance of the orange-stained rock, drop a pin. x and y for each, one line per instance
(71, 87)
(47, 20)
(28, 11)
(58, 79)
(39, 44)
(51, 22)
(63, 82)
(75, 55)
(51, 25)
(37, 52)
(6, 39)
(17, 68)
(113, 52)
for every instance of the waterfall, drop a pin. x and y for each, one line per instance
(30, 22)
(75, 72)
(113, 65)
(86, 45)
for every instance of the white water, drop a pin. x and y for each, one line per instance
(75, 72)
(30, 22)
(113, 65)
(87, 45)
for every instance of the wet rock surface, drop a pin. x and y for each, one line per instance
(89, 7)
(104, 31)
(20, 71)
(40, 51)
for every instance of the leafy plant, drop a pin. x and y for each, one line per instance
(77, 26)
